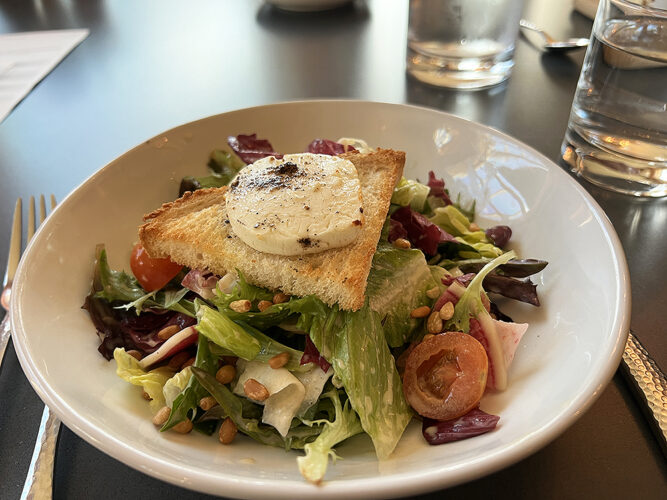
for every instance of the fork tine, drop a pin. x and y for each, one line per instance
(53, 202)
(31, 219)
(42, 208)
(14, 244)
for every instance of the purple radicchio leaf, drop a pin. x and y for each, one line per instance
(123, 328)
(250, 149)
(438, 188)
(512, 288)
(422, 233)
(473, 423)
(396, 231)
(327, 147)
(144, 328)
(312, 355)
(499, 235)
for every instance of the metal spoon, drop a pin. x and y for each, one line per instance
(551, 44)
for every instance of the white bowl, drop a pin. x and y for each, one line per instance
(569, 354)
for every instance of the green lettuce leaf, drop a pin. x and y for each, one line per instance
(119, 286)
(186, 403)
(175, 385)
(128, 368)
(470, 303)
(452, 220)
(271, 316)
(115, 285)
(163, 299)
(412, 193)
(233, 406)
(270, 347)
(397, 284)
(355, 345)
(346, 424)
(225, 163)
(217, 327)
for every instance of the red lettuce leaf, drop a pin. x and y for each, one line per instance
(144, 328)
(396, 231)
(438, 188)
(312, 355)
(512, 288)
(327, 147)
(499, 235)
(448, 295)
(422, 233)
(473, 423)
(250, 149)
(123, 328)
(203, 283)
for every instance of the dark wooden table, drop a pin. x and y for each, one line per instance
(152, 64)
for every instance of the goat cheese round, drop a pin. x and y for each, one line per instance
(298, 204)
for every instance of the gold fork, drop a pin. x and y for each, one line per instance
(39, 481)
(14, 255)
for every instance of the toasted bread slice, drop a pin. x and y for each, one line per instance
(194, 231)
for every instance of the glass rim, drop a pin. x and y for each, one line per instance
(640, 6)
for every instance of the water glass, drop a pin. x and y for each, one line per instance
(617, 131)
(462, 44)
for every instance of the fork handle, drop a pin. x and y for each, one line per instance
(649, 385)
(39, 481)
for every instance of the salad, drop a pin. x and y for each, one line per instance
(218, 355)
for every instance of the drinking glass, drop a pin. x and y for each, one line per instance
(463, 44)
(617, 131)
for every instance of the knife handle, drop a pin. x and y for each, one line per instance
(39, 481)
(649, 385)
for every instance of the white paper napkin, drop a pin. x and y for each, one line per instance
(26, 58)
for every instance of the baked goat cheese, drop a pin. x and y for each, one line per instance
(299, 204)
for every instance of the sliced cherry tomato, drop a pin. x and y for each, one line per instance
(445, 375)
(152, 274)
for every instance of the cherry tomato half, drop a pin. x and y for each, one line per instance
(445, 375)
(152, 274)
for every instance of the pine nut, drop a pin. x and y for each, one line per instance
(280, 297)
(227, 431)
(427, 336)
(188, 362)
(168, 331)
(178, 359)
(254, 390)
(401, 243)
(162, 416)
(434, 323)
(240, 306)
(433, 293)
(183, 427)
(447, 311)
(146, 396)
(263, 305)
(208, 402)
(420, 312)
(279, 360)
(225, 374)
(135, 354)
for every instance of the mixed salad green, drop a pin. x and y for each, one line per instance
(329, 374)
